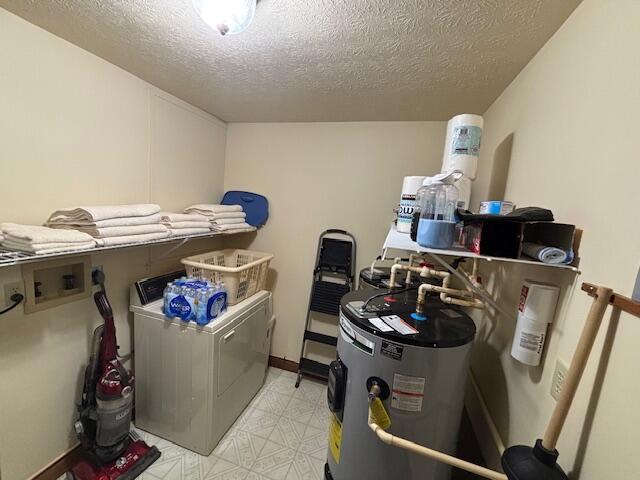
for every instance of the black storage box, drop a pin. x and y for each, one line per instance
(504, 238)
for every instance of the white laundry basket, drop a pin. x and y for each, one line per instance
(244, 272)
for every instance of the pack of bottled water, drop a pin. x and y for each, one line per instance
(194, 299)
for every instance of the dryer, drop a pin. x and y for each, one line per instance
(193, 382)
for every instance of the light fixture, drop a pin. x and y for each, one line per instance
(226, 16)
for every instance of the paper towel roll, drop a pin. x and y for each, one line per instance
(410, 186)
(462, 144)
(464, 192)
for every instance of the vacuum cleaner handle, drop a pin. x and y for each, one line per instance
(108, 342)
(104, 307)
(98, 278)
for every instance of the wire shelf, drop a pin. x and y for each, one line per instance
(9, 258)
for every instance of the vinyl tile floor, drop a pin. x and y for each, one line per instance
(282, 435)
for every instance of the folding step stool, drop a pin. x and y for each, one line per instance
(335, 258)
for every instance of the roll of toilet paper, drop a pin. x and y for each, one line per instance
(410, 186)
(462, 144)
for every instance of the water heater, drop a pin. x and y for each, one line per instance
(421, 367)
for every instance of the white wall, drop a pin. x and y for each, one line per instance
(573, 116)
(83, 131)
(77, 130)
(319, 176)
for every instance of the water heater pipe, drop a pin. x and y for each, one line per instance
(412, 258)
(433, 454)
(493, 430)
(422, 271)
(445, 295)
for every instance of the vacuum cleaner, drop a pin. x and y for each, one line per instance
(113, 451)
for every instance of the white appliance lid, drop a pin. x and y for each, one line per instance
(154, 310)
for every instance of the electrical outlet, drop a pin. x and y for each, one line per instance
(559, 375)
(11, 289)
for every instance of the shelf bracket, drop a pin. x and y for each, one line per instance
(182, 242)
(625, 304)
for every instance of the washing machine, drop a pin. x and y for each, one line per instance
(421, 368)
(193, 382)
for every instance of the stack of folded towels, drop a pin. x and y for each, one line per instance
(36, 239)
(113, 224)
(223, 218)
(180, 224)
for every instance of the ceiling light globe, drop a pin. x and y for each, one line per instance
(227, 16)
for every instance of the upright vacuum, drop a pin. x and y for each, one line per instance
(113, 450)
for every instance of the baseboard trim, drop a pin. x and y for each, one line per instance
(60, 466)
(283, 364)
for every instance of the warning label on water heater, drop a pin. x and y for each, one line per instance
(407, 393)
(335, 438)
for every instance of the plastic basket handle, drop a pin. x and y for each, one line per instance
(205, 266)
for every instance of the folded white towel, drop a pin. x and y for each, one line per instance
(231, 226)
(227, 221)
(218, 216)
(65, 222)
(38, 234)
(147, 237)
(238, 230)
(178, 225)
(203, 208)
(180, 232)
(103, 212)
(52, 247)
(107, 232)
(170, 217)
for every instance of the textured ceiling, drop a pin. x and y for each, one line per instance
(316, 60)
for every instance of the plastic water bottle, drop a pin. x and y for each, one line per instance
(202, 312)
(218, 301)
(190, 297)
(175, 304)
(167, 295)
(223, 288)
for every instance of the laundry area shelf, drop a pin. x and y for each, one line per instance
(11, 258)
(402, 241)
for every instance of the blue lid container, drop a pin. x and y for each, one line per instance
(254, 205)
